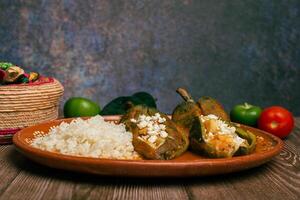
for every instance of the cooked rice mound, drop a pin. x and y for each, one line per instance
(89, 138)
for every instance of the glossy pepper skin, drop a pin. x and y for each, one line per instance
(186, 112)
(209, 105)
(167, 148)
(245, 114)
(188, 116)
(217, 148)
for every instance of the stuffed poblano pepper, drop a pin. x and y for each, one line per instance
(209, 105)
(212, 134)
(217, 139)
(251, 139)
(155, 136)
(186, 112)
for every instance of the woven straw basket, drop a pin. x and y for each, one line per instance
(28, 104)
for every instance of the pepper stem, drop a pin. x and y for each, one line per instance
(184, 94)
(247, 106)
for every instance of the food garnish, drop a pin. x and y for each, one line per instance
(151, 128)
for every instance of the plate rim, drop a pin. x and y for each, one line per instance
(23, 145)
(247, 161)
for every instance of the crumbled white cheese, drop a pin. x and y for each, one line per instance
(162, 126)
(211, 116)
(163, 134)
(142, 124)
(154, 125)
(152, 138)
(133, 120)
(161, 120)
(238, 140)
(222, 129)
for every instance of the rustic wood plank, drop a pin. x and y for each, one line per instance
(39, 182)
(266, 182)
(8, 171)
(294, 137)
(25, 185)
(78, 186)
(150, 189)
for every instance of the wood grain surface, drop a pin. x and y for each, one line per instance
(278, 179)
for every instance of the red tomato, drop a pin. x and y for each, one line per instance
(276, 120)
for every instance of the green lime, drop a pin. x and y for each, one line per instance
(80, 107)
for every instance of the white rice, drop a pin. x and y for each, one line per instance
(89, 138)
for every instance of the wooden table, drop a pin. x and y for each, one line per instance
(278, 179)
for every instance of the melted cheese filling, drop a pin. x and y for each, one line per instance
(221, 135)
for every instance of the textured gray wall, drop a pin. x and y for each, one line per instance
(235, 51)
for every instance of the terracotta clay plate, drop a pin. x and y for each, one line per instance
(189, 164)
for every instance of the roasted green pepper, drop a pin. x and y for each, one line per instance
(119, 105)
(186, 112)
(209, 105)
(155, 136)
(211, 133)
(206, 139)
(251, 139)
